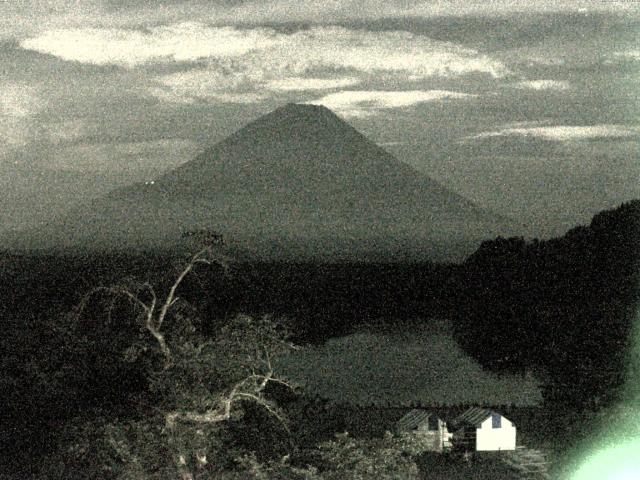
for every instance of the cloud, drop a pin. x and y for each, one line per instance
(241, 49)
(392, 52)
(351, 103)
(180, 42)
(247, 97)
(628, 55)
(140, 159)
(214, 85)
(25, 17)
(319, 58)
(186, 97)
(18, 100)
(562, 133)
(557, 85)
(18, 104)
(19, 18)
(301, 84)
(226, 87)
(67, 131)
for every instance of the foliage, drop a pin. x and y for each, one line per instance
(342, 457)
(385, 458)
(250, 468)
(199, 390)
(195, 384)
(562, 307)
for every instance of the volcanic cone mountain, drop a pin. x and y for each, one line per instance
(297, 182)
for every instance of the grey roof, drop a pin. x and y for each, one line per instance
(413, 419)
(474, 416)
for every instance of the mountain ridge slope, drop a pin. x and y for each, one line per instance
(297, 178)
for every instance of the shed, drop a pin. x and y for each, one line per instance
(481, 429)
(427, 431)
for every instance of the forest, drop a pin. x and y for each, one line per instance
(161, 365)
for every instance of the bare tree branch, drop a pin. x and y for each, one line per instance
(267, 406)
(244, 389)
(152, 311)
(197, 258)
(153, 319)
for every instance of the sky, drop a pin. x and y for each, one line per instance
(529, 109)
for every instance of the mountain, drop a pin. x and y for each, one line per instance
(298, 182)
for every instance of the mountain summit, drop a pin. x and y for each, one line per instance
(298, 182)
(295, 149)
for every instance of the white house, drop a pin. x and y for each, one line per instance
(426, 431)
(484, 430)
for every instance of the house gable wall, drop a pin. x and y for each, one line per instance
(492, 439)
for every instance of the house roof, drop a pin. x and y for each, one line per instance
(413, 419)
(474, 416)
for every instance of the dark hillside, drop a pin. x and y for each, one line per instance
(563, 306)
